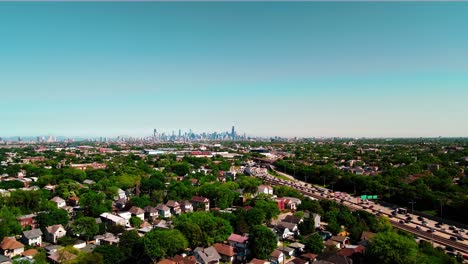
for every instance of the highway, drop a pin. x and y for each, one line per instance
(438, 236)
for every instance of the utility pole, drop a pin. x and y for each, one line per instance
(412, 205)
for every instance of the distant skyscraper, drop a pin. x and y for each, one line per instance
(233, 133)
(155, 132)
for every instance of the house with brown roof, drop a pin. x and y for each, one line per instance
(11, 248)
(30, 253)
(202, 203)
(61, 256)
(184, 260)
(53, 233)
(237, 241)
(163, 211)
(166, 261)
(342, 240)
(277, 256)
(309, 257)
(225, 251)
(186, 206)
(258, 261)
(174, 206)
(366, 236)
(138, 212)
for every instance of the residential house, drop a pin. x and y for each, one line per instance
(30, 253)
(174, 206)
(265, 189)
(73, 201)
(184, 259)
(207, 255)
(151, 212)
(186, 206)
(11, 248)
(317, 220)
(106, 239)
(258, 261)
(286, 230)
(298, 247)
(202, 203)
(366, 236)
(28, 220)
(277, 257)
(352, 252)
(53, 233)
(342, 240)
(59, 201)
(225, 251)
(61, 256)
(138, 212)
(166, 261)
(287, 251)
(309, 257)
(298, 261)
(126, 215)
(293, 219)
(32, 237)
(163, 211)
(113, 219)
(237, 241)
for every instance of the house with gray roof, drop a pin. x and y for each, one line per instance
(207, 255)
(32, 237)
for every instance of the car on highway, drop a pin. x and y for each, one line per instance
(453, 238)
(420, 218)
(401, 222)
(455, 231)
(449, 248)
(409, 218)
(424, 223)
(460, 238)
(451, 254)
(418, 228)
(452, 227)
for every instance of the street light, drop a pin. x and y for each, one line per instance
(412, 206)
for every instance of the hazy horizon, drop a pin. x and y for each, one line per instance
(305, 69)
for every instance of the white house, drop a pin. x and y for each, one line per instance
(114, 219)
(138, 212)
(53, 233)
(32, 237)
(59, 201)
(265, 189)
(10, 247)
(277, 256)
(316, 218)
(163, 211)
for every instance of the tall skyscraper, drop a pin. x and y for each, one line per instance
(233, 133)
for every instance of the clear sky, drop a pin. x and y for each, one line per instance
(287, 69)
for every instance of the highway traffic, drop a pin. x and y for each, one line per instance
(452, 237)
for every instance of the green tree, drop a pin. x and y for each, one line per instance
(262, 242)
(215, 229)
(9, 224)
(132, 247)
(161, 243)
(136, 222)
(85, 227)
(389, 247)
(314, 243)
(52, 217)
(95, 204)
(111, 254)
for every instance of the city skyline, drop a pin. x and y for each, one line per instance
(303, 69)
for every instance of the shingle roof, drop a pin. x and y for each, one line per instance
(32, 233)
(30, 252)
(237, 238)
(136, 210)
(200, 199)
(208, 254)
(53, 229)
(225, 250)
(10, 243)
(162, 207)
(172, 203)
(276, 253)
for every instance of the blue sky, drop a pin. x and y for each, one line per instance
(288, 69)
